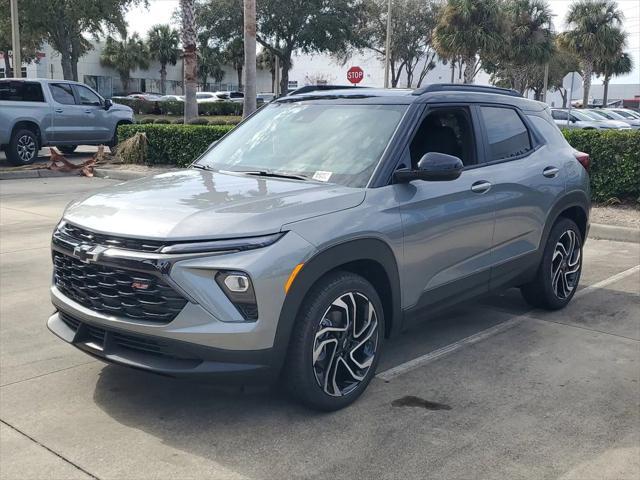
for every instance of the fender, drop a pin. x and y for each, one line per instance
(576, 198)
(322, 263)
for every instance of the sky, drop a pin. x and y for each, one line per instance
(141, 19)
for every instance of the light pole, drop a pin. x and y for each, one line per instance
(15, 39)
(249, 57)
(387, 48)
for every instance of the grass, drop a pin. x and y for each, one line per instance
(229, 119)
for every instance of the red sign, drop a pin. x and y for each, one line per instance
(355, 75)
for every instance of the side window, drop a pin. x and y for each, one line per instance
(21, 91)
(62, 93)
(445, 130)
(507, 134)
(549, 131)
(87, 97)
(559, 115)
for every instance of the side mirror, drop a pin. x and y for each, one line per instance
(572, 119)
(108, 104)
(432, 167)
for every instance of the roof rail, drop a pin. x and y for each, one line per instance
(463, 87)
(315, 88)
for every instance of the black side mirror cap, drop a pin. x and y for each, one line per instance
(432, 167)
(108, 104)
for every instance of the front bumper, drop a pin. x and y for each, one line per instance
(161, 355)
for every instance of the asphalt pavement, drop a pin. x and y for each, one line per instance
(489, 390)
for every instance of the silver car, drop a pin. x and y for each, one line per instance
(35, 113)
(583, 119)
(322, 225)
(607, 114)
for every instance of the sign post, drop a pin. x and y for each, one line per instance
(570, 81)
(355, 75)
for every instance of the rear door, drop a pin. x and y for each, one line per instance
(527, 181)
(68, 117)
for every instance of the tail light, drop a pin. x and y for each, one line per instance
(584, 160)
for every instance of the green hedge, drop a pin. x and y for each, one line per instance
(143, 107)
(175, 144)
(615, 162)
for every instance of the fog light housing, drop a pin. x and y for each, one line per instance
(238, 288)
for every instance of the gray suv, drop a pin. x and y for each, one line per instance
(35, 113)
(322, 225)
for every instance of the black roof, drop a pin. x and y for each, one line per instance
(435, 93)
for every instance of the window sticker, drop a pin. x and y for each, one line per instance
(322, 176)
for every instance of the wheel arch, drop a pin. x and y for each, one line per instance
(369, 257)
(28, 125)
(575, 206)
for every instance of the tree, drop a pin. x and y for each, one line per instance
(30, 39)
(210, 63)
(64, 23)
(163, 46)
(412, 24)
(188, 35)
(250, 98)
(266, 60)
(125, 55)
(469, 29)
(619, 64)
(594, 33)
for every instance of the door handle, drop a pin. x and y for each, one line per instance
(88, 110)
(59, 110)
(550, 172)
(481, 186)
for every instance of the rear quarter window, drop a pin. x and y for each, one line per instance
(21, 91)
(548, 130)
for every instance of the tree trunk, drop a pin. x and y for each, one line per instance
(469, 69)
(453, 70)
(563, 94)
(163, 79)
(7, 64)
(239, 73)
(284, 76)
(605, 94)
(273, 80)
(587, 67)
(249, 57)
(190, 61)
(65, 62)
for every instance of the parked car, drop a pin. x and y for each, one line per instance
(208, 97)
(626, 113)
(35, 113)
(266, 97)
(149, 97)
(172, 98)
(319, 227)
(634, 123)
(582, 119)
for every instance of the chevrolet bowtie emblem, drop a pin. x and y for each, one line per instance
(88, 253)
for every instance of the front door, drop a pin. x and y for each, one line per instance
(448, 226)
(97, 126)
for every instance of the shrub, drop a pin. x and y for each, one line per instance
(146, 120)
(220, 108)
(178, 121)
(198, 121)
(615, 162)
(162, 121)
(174, 144)
(134, 103)
(172, 107)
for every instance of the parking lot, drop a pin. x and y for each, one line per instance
(489, 390)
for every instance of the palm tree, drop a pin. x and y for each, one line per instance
(209, 65)
(594, 33)
(163, 47)
(619, 64)
(190, 59)
(531, 42)
(249, 57)
(125, 55)
(468, 29)
(266, 60)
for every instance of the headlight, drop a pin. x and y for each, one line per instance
(235, 244)
(238, 288)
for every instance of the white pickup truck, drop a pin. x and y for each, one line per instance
(35, 113)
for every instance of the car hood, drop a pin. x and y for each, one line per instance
(616, 124)
(197, 204)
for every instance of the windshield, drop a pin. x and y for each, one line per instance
(330, 143)
(582, 115)
(602, 114)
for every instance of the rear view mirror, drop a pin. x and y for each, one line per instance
(432, 167)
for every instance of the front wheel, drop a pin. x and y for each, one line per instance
(559, 272)
(336, 342)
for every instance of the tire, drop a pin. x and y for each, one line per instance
(23, 147)
(558, 275)
(67, 149)
(346, 360)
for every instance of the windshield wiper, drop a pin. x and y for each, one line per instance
(201, 167)
(266, 173)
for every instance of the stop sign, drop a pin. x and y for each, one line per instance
(355, 75)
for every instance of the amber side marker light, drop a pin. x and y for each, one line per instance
(292, 277)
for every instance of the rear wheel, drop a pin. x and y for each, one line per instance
(23, 147)
(559, 272)
(336, 342)
(68, 149)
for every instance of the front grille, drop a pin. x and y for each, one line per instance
(81, 235)
(125, 293)
(120, 340)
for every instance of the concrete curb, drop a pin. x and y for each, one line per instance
(38, 173)
(114, 174)
(600, 231)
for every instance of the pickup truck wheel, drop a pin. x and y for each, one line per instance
(68, 149)
(23, 147)
(336, 341)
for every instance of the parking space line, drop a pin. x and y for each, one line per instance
(403, 368)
